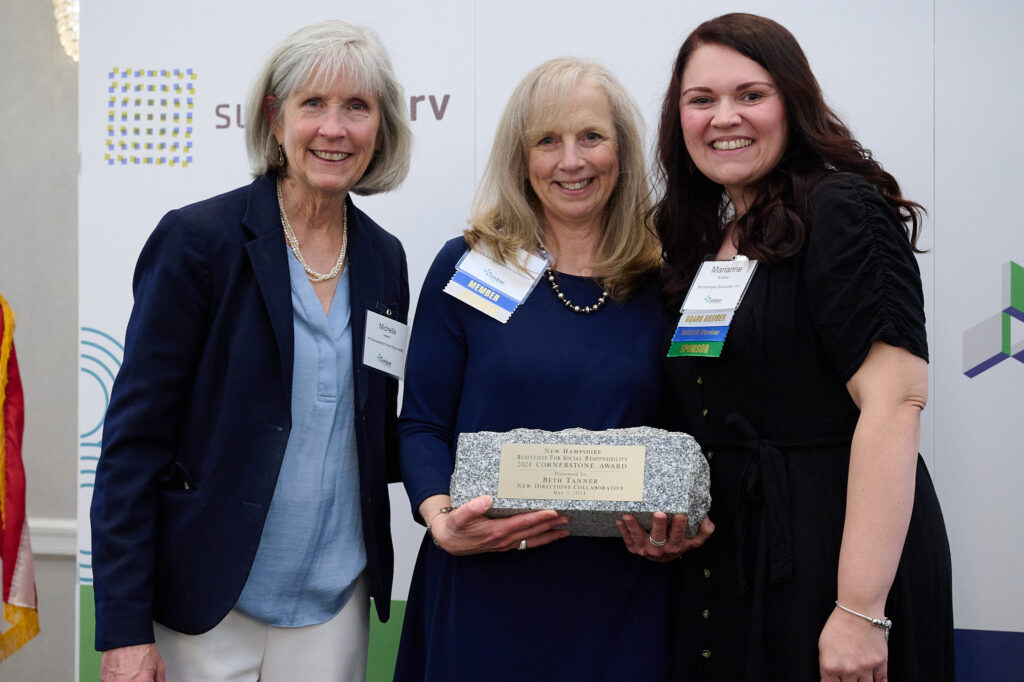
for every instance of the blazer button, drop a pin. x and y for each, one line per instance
(700, 381)
(706, 653)
(705, 614)
(707, 572)
(704, 411)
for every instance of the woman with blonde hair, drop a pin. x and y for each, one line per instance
(565, 179)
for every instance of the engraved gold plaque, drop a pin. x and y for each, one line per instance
(572, 472)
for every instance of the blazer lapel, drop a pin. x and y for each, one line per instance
(363, 273)
(270, 265)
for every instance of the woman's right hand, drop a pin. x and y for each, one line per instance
(465, 530)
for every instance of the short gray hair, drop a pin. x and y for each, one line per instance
(330, 50)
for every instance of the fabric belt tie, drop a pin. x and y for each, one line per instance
(764, 481)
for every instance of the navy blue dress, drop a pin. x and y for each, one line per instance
(578, 608)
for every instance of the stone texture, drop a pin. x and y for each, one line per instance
(676, 477)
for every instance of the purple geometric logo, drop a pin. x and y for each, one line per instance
(1001, 336)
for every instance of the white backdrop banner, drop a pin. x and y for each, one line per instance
(162, 87)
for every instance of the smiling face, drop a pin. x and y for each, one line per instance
(574, 160)
(733, 119)
(329, 134)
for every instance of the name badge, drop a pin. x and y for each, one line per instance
(495, 289)
(708, 308)
(385, 344)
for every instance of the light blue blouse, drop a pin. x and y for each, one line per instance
(311, 551)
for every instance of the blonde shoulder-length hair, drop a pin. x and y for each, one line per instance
(507, 215)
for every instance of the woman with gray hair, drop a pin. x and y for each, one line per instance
(565, 184)
(240, 515)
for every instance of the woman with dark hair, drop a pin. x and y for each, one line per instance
(828, 531)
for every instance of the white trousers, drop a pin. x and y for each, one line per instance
(241, 649)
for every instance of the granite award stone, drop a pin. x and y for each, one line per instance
(592, 477)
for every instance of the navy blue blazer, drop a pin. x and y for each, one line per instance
(200, 414)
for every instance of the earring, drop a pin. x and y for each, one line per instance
(280, 157)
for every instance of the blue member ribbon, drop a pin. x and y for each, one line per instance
(690, 334)
(488, 293)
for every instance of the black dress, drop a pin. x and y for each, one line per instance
(775, 420)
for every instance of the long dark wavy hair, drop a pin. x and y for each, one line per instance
(689, 215)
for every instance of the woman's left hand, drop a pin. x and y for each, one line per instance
(851, 649)
(639, 541)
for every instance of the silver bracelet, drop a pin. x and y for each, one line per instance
(442, 510)
(882, 622)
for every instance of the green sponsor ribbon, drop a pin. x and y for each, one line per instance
(696, 349)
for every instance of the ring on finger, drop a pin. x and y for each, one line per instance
(522, 544)
(657, 543)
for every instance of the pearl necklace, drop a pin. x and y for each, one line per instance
(293, 242)
(568, 303)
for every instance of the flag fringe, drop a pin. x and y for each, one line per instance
(24, 626)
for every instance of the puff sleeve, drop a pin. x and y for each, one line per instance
(861, 276)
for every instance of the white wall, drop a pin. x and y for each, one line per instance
(979, 469)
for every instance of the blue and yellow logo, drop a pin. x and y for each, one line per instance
(150, 117)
